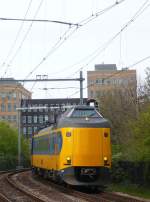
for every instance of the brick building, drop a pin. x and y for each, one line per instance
(11, 94)
(105, 78)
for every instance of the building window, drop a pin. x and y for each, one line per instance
(40, 119)
(35, 129)
(3, 108)
(24, 130)
(3, 95)
(24, 119)
(46, 118)
(14, 107)
(14, 95)
(9, 96)
(35, 119)
(29, 119)
(9, 107)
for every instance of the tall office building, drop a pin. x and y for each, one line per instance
(11, 94)
(106, 78)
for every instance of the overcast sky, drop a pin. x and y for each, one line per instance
(43, 47)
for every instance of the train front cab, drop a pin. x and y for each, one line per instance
(86, 157)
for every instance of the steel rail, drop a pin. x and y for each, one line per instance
(4, 198)
(27, 193)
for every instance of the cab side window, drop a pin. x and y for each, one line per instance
(59, 141)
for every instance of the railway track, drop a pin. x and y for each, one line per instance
(10, 191)
(99, 197)
(29, 189)
(103, 196)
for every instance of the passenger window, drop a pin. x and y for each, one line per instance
(52, 144)
(59, 141)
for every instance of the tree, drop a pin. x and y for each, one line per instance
(138, 146)
(9, 145)
(147, 83)
(119, 105)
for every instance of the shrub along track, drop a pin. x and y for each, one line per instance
(59, 193)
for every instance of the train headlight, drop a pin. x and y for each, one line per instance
(106, 161)
(105, 158)
(68, 160)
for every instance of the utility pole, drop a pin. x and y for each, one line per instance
(81, 87)
(19, 140)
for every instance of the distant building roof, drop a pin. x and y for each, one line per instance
(8, 81)
(107, 67)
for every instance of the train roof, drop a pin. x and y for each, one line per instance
(79, 116)
(82, 116)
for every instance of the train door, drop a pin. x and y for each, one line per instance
(58, 147)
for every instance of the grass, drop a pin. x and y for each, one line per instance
(131, 189)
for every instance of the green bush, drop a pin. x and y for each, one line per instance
(9, 147)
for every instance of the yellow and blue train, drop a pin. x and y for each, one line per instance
(76, 150)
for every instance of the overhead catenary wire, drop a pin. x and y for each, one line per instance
(102, 48)
(40, 20)
(68, 34)
(95, 15)
(82, 23)
(16, 38)
(64, 37)
(60, 41)
(25, 36)
(56, 88)
(138, 62)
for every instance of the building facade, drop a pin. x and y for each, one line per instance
(11, 94)
(33, 120)
(106, 78)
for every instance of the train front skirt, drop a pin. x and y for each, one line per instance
(81, 176)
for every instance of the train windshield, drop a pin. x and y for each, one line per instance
(85, 113)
